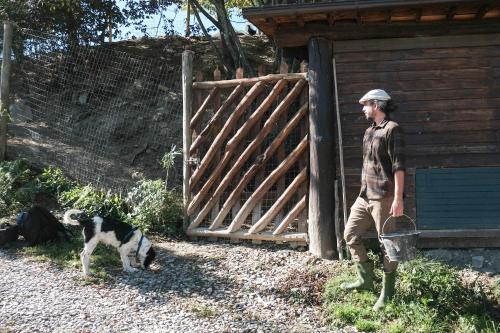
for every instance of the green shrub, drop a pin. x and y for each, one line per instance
(95, 202)
(52, 181)
(154, 208)
(13, 176)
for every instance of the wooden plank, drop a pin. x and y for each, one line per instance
(409, 105)
(299, 207)
(322, 149)
(266, 236)
(257, 165)
(280, 202)
(5, 86)
(270, 78)
(226, 129)
(416, 65)
(187, 103)
(290, 36)
(283, 167)
(396, 44)
(417, 53)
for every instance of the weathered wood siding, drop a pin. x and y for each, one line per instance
(448, 93)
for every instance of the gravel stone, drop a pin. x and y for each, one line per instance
(191, 287)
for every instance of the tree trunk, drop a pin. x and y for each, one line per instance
(231, 40)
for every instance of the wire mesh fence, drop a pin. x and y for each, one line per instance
(105, 117)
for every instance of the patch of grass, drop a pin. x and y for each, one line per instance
(430, 297)
(203, 311)
(365, 325)
(67, 254)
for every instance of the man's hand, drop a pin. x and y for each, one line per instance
(397, 207)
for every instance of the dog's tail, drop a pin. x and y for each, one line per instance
(68, 219)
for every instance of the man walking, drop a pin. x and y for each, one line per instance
(381, 195)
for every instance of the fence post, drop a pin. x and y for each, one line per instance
(187, 105)
(5, 87)
(321, 149)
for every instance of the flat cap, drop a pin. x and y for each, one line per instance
(377, 94)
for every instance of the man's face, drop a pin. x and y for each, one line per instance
(369, 110)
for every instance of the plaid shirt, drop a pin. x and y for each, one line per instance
(383, 155)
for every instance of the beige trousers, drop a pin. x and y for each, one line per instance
(364, 214)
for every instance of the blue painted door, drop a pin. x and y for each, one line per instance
(465, 198)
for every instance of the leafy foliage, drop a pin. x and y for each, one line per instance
(95, 202)
(84, 21)
(430, 297)
(149, 205)
(154, 208)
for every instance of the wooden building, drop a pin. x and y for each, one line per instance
(440, 61)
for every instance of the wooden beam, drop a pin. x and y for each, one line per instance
(292, 215)
(216, 117)
(290, 36)
(280, 202)
(259, 163)
(270, 78)
(199, 114)
(5, 86)
(280, 170)
(331, 19)
(451, 13)
(418, 15)
(187, 104)
(482, 11)
(322, 150)
(300, 21)
(264, 12)
(417, 43)
(226, 129)
(388, 16)
(266, 236)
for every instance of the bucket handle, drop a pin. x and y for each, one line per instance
(409, 218)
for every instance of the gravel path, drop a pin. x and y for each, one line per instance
(192, 287)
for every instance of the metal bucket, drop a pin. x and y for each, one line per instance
(401, 245)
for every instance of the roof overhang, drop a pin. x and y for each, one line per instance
(331, 18)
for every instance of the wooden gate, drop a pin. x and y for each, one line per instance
(247, 160)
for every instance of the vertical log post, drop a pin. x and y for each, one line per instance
(217, 127)
(240, 74)
(322, 149)
(5, 87)
(257, 211)
(303, 162)
(187, 105)
(281, 154)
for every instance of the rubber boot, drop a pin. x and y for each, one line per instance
(365, 278)
(388, 288)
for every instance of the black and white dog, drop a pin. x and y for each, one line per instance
(125, 238)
